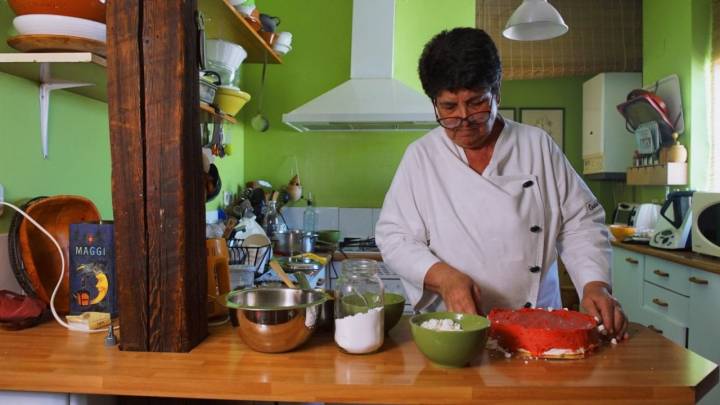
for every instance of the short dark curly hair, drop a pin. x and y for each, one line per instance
(462, 58)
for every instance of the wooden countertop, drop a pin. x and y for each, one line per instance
(687, 258)
(647, 369)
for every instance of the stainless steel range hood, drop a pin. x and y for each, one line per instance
(371, 100)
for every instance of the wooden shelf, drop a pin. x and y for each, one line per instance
(210, 110)
(72, 66)
(224, 22)
(669, 174)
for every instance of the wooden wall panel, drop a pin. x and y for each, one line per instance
(125, 98)
(157, 174)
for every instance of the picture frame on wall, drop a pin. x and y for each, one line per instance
(552, 120)
(507, 112)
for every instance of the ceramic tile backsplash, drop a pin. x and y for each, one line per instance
(352, 222)
(375, 216)
(293, 217)
(356, 222)
(328, 218)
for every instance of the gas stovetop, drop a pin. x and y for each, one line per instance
(358, 245)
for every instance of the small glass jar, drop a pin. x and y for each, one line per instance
(359, 313)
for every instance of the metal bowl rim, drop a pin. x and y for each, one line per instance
(226, 300)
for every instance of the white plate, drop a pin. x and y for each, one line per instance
(59, 25)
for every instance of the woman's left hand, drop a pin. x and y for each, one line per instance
(598, 302)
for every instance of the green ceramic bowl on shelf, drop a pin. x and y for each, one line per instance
(451, 348)
(393, 305)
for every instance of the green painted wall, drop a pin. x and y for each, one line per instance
(340, 169)
(564, 93)
(684, 49)
(79, 161)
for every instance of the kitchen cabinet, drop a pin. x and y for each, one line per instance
(673, 299)
(627, 279)
(704, 333)
(606, 144)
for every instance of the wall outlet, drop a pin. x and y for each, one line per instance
(2, 198)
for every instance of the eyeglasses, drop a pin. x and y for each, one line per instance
(474, 119)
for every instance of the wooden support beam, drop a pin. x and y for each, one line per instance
(158, 198)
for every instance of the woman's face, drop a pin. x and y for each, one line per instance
(475, 112)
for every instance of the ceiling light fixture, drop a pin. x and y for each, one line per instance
(534, 20)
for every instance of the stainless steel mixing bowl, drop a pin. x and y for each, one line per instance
(274, 320)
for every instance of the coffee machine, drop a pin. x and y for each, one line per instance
(672, 230)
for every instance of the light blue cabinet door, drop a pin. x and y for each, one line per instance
(627, 281)
(704, 325)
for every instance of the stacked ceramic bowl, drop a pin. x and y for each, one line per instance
(84, 19)
(225, 58)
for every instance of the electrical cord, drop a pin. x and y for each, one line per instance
(62, 272)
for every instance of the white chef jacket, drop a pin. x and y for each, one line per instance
(503, 228)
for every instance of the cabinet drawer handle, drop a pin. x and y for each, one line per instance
(696, 280)
(654, 329)
(658, 301)
(631, 260)
(661, 273)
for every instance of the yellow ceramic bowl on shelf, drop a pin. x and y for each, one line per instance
(622, 232)
(230, 99)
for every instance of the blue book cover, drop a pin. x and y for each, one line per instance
(92, 268)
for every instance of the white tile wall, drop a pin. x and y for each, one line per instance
(356, 222)
(375, 217)
(328, 218)
(293, 217)
(352, 222)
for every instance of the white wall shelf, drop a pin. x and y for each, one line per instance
(81, 72)
(83, 67)
(78, 72)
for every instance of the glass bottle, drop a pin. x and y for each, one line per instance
(273, 222)
(309, 216)
(359, 313)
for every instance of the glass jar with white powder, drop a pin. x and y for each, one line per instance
(359, 314)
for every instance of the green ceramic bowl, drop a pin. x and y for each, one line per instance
(393, 306)
(329, 235)
(451, 348)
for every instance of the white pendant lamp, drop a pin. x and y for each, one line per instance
(535, 20)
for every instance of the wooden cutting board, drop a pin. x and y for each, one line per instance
(55, 43)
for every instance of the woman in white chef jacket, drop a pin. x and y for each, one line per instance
(480, 207)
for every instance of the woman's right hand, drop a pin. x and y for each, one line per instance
(457, 289)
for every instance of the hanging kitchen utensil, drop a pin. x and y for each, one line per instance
(217, 138)
(259, 122)
(200, 21)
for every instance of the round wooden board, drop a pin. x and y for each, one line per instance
(55, 43)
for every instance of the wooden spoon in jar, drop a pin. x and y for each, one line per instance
(281, 273)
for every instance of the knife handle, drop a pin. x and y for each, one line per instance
(654, 329)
